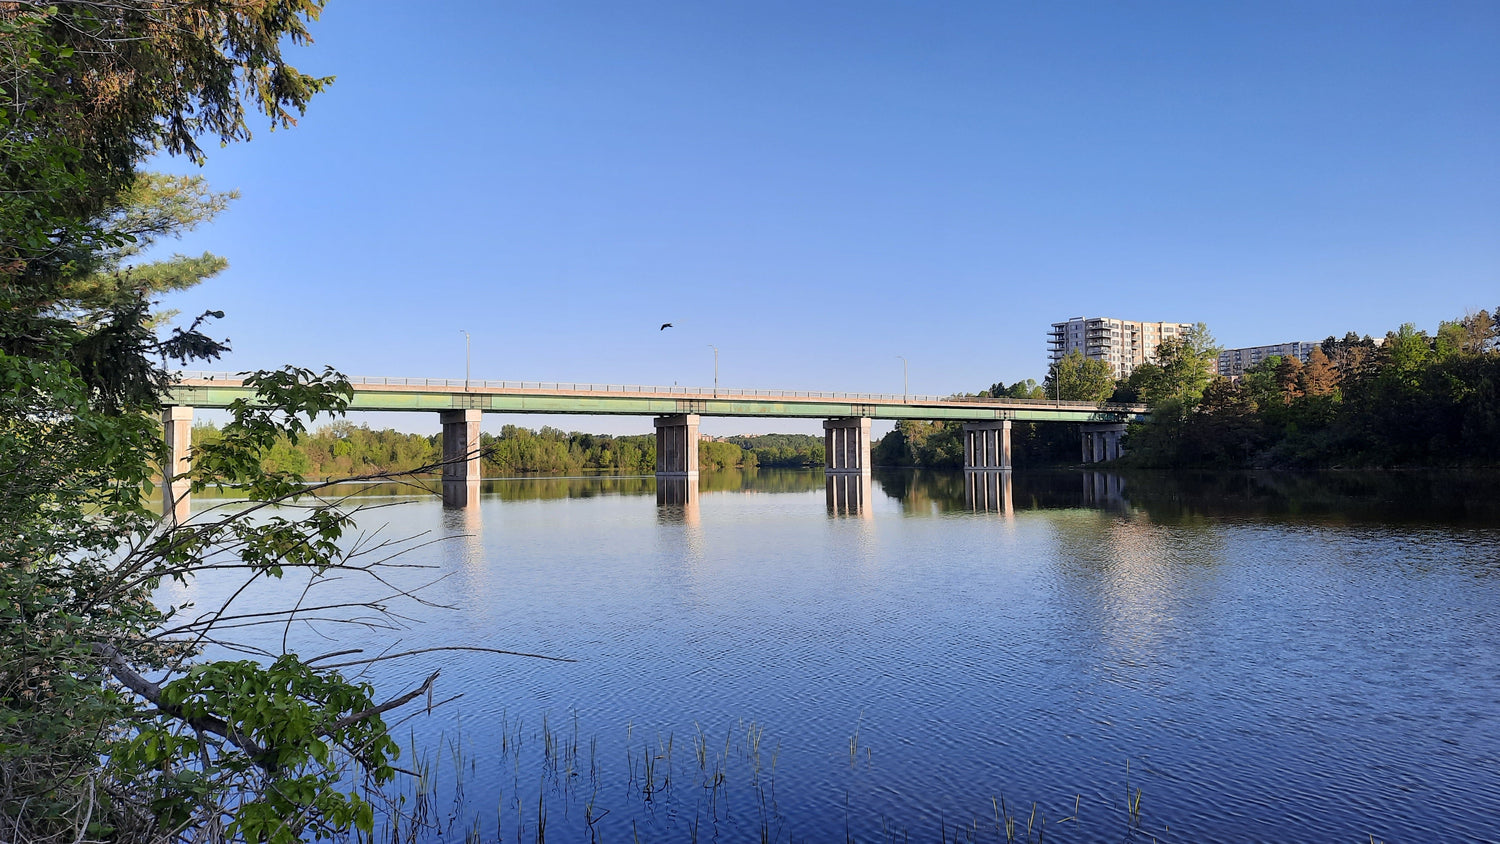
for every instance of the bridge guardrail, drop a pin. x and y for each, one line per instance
(640, 389)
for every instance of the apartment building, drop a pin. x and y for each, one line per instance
(1234, 362)
(1123, 344)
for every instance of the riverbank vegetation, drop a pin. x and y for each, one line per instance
(718, 785)
(1408, 399)
(123, 719)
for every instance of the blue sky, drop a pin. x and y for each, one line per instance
(819, 188)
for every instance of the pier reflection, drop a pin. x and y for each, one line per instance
(990, 491)
(848, 494)
(1104, 491)
(677, 500)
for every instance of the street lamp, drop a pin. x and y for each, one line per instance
(716, 369)
(903, 379)
(466, 358)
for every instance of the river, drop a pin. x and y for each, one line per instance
(1178, 658)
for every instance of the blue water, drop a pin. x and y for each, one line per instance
(1252, 660)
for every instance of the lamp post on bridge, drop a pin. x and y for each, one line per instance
(716, 369)
(466, 358)
(904, 389)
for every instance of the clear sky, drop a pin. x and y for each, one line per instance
(817, 188)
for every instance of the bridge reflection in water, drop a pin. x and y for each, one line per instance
(677, 500)
(851, 494)
(990, 491)
(1104, 491)
(848, 494)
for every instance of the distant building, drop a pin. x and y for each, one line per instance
(1121, 343)
(1234, 362)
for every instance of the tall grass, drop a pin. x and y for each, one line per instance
(727, 794)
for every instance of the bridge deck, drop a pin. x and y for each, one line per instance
(216, 390)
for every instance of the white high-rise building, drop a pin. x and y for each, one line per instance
(1123, 344)
(1234, 362)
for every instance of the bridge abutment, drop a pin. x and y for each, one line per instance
(846, 445)
(677, 446)
(461, 470)
(987, 445)
(177, 425)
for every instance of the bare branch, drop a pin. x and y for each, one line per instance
(384, 707)
(384, 657)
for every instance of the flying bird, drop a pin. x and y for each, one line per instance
(665, 326)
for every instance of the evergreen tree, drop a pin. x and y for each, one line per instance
(1319, 378)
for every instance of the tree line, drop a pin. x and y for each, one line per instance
(344, 449)
(1409, 398)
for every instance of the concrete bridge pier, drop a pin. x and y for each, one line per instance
(987, 445)
(461, 457)
(846, 445)
(677, 446)
(1102, 442)
(176, 502)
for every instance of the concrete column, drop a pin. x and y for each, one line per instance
(849, 441)
(461, 457)
(987, 445)
(1101, 441)
(677, 446)
(177, 423)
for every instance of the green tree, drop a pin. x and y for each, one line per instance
(90, 744)
(715, 456)
(920, 443)
(156, 206)
(112, 725)
(1028, 389)
(92, 88)
(782, 450)
(1181, 369)
(1077, 378)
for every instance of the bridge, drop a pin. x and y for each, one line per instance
(677, 412)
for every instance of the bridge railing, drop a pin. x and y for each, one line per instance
(708, 392)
